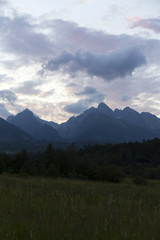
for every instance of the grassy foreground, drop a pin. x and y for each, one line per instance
(49, 209)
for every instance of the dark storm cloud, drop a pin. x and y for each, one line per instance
(118, 63)
(151, 24)
(8, 96)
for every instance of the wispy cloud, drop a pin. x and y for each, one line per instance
(151, 24)
(28, 88)
(8, 96)
(4, 113)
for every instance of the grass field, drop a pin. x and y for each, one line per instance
(60, 209)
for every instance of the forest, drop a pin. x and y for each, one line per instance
(109, 162)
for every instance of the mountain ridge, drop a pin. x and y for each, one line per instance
(100, 124)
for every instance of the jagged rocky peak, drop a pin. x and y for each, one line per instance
(102, 107)
(26, 113)
(118, 110)
(130, 110)
(88, 111)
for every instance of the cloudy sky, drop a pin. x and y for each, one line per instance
(60, 57)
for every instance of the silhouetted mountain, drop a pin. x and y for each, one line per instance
(129, 115)
(104, 125)
(103, 108)
(9, 132)
(150, 121)
(100, 124)
(145, 120)
(27, 121)
(68, 129)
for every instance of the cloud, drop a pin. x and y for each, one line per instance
(71, 85)
(83, 104)
(31, 39)
(47, 93)
(4, 113)
(133, 19)
(79, 1)
(70, 35)
(3, 77)
(8, 96)
(118, 63)
(3, 2)
(20, 36)
(125, 98)
(28, 88)
(151, 24)
(77, 107)
(87, 91)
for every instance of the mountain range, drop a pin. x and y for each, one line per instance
(95, 125)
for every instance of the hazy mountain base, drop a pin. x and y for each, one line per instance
(12, 147)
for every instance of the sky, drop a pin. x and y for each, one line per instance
(59, 58)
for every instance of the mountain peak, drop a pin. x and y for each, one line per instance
(102, 107)
(26, 112)
(128, 109)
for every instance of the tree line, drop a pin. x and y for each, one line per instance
(109, 162)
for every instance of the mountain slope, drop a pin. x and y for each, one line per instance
(27, 121)
(69, 128)
(129, 115)
(9, 132)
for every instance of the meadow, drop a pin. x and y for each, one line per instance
(35, 208)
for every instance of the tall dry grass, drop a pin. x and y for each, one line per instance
(59, 209)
